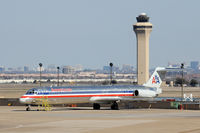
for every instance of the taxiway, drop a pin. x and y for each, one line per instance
(80, 120)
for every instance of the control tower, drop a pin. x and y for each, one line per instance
(142, 30)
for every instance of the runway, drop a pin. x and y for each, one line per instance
(81, 120)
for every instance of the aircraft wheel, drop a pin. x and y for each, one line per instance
(114, 106)
(28, 108)
(96, 106)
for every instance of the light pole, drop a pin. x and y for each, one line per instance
(182, 67)
(40, 64)
(58, 70)
(111, 65)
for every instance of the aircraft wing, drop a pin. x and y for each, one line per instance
(104, 99)
(113, 99)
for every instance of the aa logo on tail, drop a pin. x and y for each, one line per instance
(155, 80)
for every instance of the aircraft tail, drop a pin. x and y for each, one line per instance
(155, 80)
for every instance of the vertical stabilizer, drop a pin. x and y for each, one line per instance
(155, 80)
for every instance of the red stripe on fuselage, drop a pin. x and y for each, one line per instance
(62, 96)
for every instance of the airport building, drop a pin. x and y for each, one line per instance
(2, 69)
(142, 30)
(26, 69)
(194, 65)
(68, 70)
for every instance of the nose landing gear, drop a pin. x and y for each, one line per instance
(28, 108)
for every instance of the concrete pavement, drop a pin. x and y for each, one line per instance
(15, 119)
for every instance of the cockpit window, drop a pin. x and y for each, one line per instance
(153, 89)
(31, 92)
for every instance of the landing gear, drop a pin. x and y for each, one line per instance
(96, 106)
(114, 106)
(28, 108)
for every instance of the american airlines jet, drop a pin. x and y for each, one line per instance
(97, 95)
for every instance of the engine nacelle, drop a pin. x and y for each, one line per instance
(145, 93)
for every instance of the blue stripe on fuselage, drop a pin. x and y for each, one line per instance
(82, 92)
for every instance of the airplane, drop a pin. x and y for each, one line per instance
(109, 94)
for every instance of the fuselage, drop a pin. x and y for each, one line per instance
(84, 94)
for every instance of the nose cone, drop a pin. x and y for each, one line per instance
(24, 100)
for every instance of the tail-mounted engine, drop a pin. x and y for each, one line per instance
(145, 93)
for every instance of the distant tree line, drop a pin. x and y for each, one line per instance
(192, 82)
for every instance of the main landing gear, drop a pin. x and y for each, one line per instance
(114, 106)
(96, 106)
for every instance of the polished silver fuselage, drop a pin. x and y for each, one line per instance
(82, 94)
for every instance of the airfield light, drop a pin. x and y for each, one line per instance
(40, 64)
(182, 67)
(58, 68)
(111, 65)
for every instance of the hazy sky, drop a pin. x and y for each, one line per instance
(96, 32)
